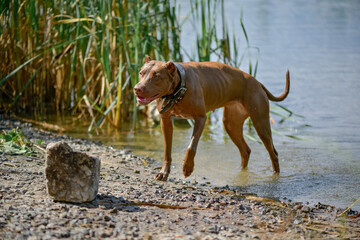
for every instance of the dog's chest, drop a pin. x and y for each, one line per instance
(181, 113)
(181, 110)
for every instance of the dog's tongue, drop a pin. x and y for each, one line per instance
(146, 100)
(143, 100)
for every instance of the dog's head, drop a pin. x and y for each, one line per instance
(156, 79)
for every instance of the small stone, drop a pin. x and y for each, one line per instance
(73, 223)
(107, 218)
(113, 211)
(148, 236)
(213, 229)
(298, 221)
(306, 209)
(216, 208)
(104, 235)
(253, 225)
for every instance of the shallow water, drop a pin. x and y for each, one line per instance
(318, 41)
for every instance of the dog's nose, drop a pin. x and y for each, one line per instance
(137, 89)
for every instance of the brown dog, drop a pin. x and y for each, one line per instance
(192, 89)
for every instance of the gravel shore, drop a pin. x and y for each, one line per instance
(132, 205)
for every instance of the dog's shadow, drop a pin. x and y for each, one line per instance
(112, 203)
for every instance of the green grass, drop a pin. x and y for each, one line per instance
(13, 142)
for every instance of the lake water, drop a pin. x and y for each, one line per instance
(319, 42)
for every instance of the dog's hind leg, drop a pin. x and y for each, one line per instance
(234, 116)
(261, 121)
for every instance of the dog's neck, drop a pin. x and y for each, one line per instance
(178, 92)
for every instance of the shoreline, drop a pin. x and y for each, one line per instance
(132, 205)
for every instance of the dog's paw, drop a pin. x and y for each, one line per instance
(162, 176)
(187, 170)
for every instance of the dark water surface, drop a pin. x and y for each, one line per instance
(319, 42)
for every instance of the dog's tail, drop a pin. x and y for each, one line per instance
(285, 93)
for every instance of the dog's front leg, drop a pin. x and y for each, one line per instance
(167, 131)
(188, 166)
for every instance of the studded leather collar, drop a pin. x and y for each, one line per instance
(178, 93)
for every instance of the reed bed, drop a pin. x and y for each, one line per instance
(82, 57)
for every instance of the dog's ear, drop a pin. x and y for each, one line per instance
(147, 59)
(170, 66)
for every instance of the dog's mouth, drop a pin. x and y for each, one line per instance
(146, 100)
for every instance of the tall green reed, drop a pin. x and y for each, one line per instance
(84, 56)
